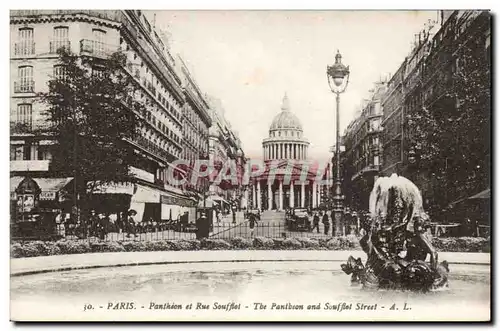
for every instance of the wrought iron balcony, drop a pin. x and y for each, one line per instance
(152, 148)
(25, 86)
(96, 48)
(55, 45)
(24, 48)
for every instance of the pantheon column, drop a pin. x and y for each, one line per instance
(269, 196)
(258, 196)
(246, 198)
(280, 196)
(319, 194)
(303, 195)
(292, 196)
(314, 192)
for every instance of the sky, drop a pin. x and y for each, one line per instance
(249, 59)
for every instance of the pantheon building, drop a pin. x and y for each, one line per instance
(290, 178)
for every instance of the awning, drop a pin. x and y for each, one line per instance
(49, 186)
(218, 198)
(483, 195)
(146, 194)
(112, 188)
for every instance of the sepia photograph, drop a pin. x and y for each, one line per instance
(250, 165)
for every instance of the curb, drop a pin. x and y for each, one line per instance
(166, 261)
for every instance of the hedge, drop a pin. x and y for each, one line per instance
(46, 248)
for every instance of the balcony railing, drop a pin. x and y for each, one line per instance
(24, 48)
(31, 127)
(25, 86)
(96, 48)
(152, 148)
(55, 45)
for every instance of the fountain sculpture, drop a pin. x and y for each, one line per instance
(396, 241)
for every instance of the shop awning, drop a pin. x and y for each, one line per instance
(49, 186)
(218, 198)
(483, 195)
(111, 188)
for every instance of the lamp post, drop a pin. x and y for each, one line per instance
(338, 78)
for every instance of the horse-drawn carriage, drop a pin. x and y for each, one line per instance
(298, 220)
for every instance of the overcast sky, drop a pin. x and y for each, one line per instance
(249, 59)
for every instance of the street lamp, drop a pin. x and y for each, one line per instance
(338, 78)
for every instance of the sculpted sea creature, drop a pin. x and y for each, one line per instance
(397, 227)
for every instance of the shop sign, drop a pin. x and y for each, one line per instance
(170, 200)
(47, 195)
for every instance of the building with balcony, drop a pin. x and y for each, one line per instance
(196, 122)
(225, 146)
(37, 35)
(427, 78)
(361, 159)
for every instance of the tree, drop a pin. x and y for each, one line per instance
(92, 112)
(451, 136)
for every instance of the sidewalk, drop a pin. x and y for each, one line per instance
(23, 266)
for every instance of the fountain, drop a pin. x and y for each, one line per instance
(396, 242)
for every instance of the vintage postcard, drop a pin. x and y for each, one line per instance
(250, 165)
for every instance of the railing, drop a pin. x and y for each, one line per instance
(25, 86)
(55, 45)
(112, 15)
(96, 48)
(24, 48)
(152, 148)
(171, 230)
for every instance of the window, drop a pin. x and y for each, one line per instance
(59, 72)
(26, 44)
(43, 152)
(16, 152)
(25, 82)
(60, 39)
(24, 114)
(99, 40)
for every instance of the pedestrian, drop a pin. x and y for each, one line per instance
(234, 214)
(92, 224)
(131, 226)
(252, 221)
(326, 223)
(315, 222)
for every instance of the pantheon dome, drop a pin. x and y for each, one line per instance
(286, 140)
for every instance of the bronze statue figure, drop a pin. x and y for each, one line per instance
(396, 241)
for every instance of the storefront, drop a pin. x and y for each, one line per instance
(35, 203)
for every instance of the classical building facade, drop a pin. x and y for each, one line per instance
(286, 140)
(289, 180)
(225, 145)
(363, 148)
(36, 36)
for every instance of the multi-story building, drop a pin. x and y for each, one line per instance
(195, 125)
(426, 79)
(224, 146)
(362, 157)
(36, 36)
(459, 56)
